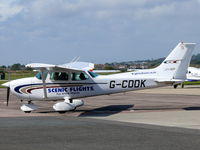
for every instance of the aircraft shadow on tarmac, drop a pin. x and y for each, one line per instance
(114, 109)
(168, 108)
(101, 111)
(106, 110)
(191, 108)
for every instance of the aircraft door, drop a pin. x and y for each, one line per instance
(60, 82)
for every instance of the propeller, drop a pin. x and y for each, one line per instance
(7, 85)
(8, 95)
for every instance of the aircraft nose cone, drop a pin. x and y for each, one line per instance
(7, 84)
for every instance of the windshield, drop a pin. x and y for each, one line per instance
(39, 75)
(93, 74)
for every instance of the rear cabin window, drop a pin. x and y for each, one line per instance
(59, 76)
(78, 76)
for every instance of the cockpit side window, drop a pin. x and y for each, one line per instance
(78, 76)
(59, 76)
(39, 75)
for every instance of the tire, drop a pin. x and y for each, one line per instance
(175, 86)
(61, 112)
(27, 111)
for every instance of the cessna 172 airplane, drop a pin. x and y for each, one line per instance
(73, 81)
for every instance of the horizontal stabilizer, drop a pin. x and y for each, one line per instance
(170, 81)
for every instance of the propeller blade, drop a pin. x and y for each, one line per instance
(8, 95)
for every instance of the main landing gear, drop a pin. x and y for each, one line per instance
(60, 107)
(68, 105)
(176, 85)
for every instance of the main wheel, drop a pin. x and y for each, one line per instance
(175, 86)
(27, 111)
(62, 112)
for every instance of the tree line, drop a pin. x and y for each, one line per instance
(15, 67)
(110, 66)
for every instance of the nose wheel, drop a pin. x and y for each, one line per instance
(27, 108)
(27, 112)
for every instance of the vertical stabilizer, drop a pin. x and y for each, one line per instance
(176, 64)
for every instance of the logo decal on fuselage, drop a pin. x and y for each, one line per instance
(70, 90)
(56, 87)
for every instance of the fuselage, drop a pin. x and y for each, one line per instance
(193, 74)
(74, 86)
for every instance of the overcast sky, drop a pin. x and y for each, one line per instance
(99, 31)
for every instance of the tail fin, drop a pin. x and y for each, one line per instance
(175, 66)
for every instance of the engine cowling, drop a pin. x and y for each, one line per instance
(67, 106)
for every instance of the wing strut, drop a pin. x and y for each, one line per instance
(44, 83)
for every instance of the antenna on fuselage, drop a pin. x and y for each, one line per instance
(75, 59)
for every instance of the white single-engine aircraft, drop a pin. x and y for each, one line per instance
(193, 74)
(72, 81)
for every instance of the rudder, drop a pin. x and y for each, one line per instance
(177, 62)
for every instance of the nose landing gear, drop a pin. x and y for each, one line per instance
(27, 108)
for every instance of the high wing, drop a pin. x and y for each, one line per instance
(106, 71)
(74, 66)
(79, 65)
